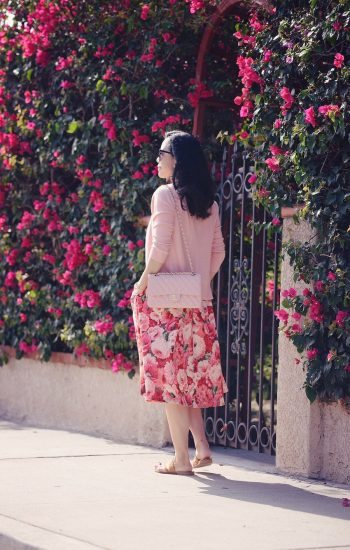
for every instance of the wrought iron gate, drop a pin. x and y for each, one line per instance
(246, 296)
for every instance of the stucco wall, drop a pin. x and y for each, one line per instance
(87, 399)
(312, 440)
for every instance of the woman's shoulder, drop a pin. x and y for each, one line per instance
(163, 191)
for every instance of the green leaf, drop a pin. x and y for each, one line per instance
(74, 126)
(310, 394)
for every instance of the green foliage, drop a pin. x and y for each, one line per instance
(298, 122)
(87, 90)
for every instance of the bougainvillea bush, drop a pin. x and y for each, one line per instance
(295, 72)
(87, 90)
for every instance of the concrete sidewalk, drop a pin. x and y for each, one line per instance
(68, 491)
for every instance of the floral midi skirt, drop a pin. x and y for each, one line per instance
(179, 355)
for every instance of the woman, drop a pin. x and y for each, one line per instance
(178, 348)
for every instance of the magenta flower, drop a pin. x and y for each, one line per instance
(312, 354)
(340, 318)
(338, 60)
(288, 99)
(267, 56)
(282, 315)
(310, 117)
(273, 164)
(331, 276)
(319, 286)
(327, 109)
(276, 150)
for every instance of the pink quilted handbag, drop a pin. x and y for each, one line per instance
(175, 290)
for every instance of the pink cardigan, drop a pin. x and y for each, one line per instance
(204, 237)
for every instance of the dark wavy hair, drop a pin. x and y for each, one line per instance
(191, 175)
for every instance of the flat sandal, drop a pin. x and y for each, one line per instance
(201, 462)
(170, 469)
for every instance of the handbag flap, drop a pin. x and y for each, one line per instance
(164, 284)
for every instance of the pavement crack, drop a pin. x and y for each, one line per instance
(29, 523)
(76, 456)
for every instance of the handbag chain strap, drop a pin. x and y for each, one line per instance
(182, 231)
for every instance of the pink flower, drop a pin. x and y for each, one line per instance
(310, 116)
(337, 26)
(140, 243)
(319, 286)
(288, 99)
(338, 60)
(276, 150)
(238, 100)
(282, 315)
(244, 112)
(104, 226)
(106, 250)
(289, 293)
(244, 135)
(267, 55)
(139, 139)
(326, 110)
(312, 354)
(316, 311)
(296, 316)
(131, 245)
(144, 12)
(331, 276)
(252, 179)
(277, 124)
(340, 318)
(104, 326)
(331, 355)
(276, 221)
(273, 164)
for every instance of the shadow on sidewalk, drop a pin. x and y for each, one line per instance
(277, 495)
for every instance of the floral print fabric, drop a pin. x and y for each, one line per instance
(179, 355)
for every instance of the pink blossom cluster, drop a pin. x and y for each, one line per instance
(248, 76)
(148, 55)
(26, 221)
(28, 348)
(170, 120)
(88, 298)
(195, 5)
(108, 124)
(104, 326)
(125, 301)
(74, 256)
(201, 91)
(139, 139)
(288, 100)
(120, 362)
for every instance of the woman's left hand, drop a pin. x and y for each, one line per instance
(139, 287)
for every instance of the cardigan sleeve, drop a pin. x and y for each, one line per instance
(218, 245)
(163, 222)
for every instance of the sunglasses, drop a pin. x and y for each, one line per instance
(161, 152)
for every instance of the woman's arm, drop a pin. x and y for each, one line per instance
(152, 267)
(163, 220)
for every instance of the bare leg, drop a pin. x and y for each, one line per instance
(198, 432)
(179, 425)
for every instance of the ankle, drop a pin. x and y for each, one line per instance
(203, 451)
(182, 459)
